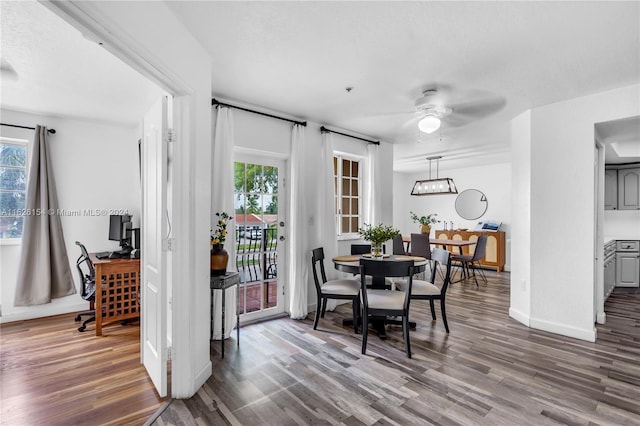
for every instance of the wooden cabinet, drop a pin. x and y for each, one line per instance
(610, 189)
(494, 256)
(628, 189)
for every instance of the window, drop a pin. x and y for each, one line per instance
(346, 174)
(13, 187)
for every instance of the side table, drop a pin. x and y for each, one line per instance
(223, 282)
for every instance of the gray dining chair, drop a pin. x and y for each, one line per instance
(467, 262)
(398, 245)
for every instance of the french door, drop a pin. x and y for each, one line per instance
(260, 235)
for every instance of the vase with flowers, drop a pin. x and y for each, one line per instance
(378, 235)
(425, 221)
(219, 256)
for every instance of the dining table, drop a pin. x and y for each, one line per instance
(351, 264)
(447, 244)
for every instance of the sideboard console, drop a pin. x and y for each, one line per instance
(494, 256)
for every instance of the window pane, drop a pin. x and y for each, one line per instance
(346, 187)
(11, 226)
(345, 205)
(10, 202)
(13, 179)
(354, 169)
(354, 206)
(354, 188)
(272, 205)
(354, 224)
(345, 225)
(240, 200)
(13, 155)
(335, 165)
(346, 168)
(239, 176)
(254, 178)
(270, 179)
(254, 204)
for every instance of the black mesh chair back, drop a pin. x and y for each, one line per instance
(87, 274)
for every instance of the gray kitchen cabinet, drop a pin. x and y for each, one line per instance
(628, 264)
(628, 189)
(610, 189)
(609, 268)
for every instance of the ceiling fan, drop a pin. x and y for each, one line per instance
(440, 106)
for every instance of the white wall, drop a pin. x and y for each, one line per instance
(493, 180)
(562, 224)
(95, 167)
(271, 137)
(621, 224)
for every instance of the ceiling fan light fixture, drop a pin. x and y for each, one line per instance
(429, 124)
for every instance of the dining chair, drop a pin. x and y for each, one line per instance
(420, 245)
(470, 261)
(398, 245)
(428, 290)
(383, 302)
(343, 289)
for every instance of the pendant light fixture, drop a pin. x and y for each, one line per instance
(434, 186)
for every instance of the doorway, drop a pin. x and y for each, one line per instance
(259, 231)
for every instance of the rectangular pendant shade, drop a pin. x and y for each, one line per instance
(434, 187)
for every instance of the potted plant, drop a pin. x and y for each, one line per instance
(377, 235)
(425, 221)
(219, 256)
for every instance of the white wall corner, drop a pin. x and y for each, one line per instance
(519, 316)
(565, 330)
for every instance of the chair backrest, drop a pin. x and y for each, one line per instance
(442, 257)
(317, 257)
(481, 248)
(420, 245)
(398, 245)
(87, 273)
(360, 248)
(381, 268)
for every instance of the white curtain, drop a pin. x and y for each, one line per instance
(43, 272)
(326, 228)
(374, 205)
(222, 188)
(299, 252)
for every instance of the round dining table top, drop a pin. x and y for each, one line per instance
(351, 263)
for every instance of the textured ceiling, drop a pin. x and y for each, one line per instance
(298, 58)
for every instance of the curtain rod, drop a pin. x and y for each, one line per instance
(216, 102)
(52, 131)
(325, 130)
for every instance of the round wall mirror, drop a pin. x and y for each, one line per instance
(471, 204)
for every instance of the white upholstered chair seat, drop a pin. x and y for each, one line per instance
(419, 287)
(385, 299)
(344, 286)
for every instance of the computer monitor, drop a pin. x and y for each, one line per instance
(120, 230)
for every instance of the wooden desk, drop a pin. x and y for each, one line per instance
(223, 282)
(119, 296)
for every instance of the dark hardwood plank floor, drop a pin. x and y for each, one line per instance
(490, 370)
(51, 374)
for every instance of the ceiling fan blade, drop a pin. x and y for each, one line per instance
(467, 112)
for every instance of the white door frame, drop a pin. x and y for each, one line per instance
(191, 365)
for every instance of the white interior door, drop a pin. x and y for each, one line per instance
(154, 256)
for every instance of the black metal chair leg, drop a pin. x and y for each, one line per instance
(324, 307)
(433, 311)
(318, 305)
(405, 330)
(444, 315)
(365, 332)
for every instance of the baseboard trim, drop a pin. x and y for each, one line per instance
(42, 311)
(520, 317)
(564, 330)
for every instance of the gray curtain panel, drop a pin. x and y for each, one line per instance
(44, 271)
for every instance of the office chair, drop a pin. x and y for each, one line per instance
(88, 279)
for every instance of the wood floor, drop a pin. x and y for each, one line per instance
(51, 374)
(490, 370)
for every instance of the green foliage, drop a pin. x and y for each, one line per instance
(377, 234)
(253, 181)
(425, 220)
